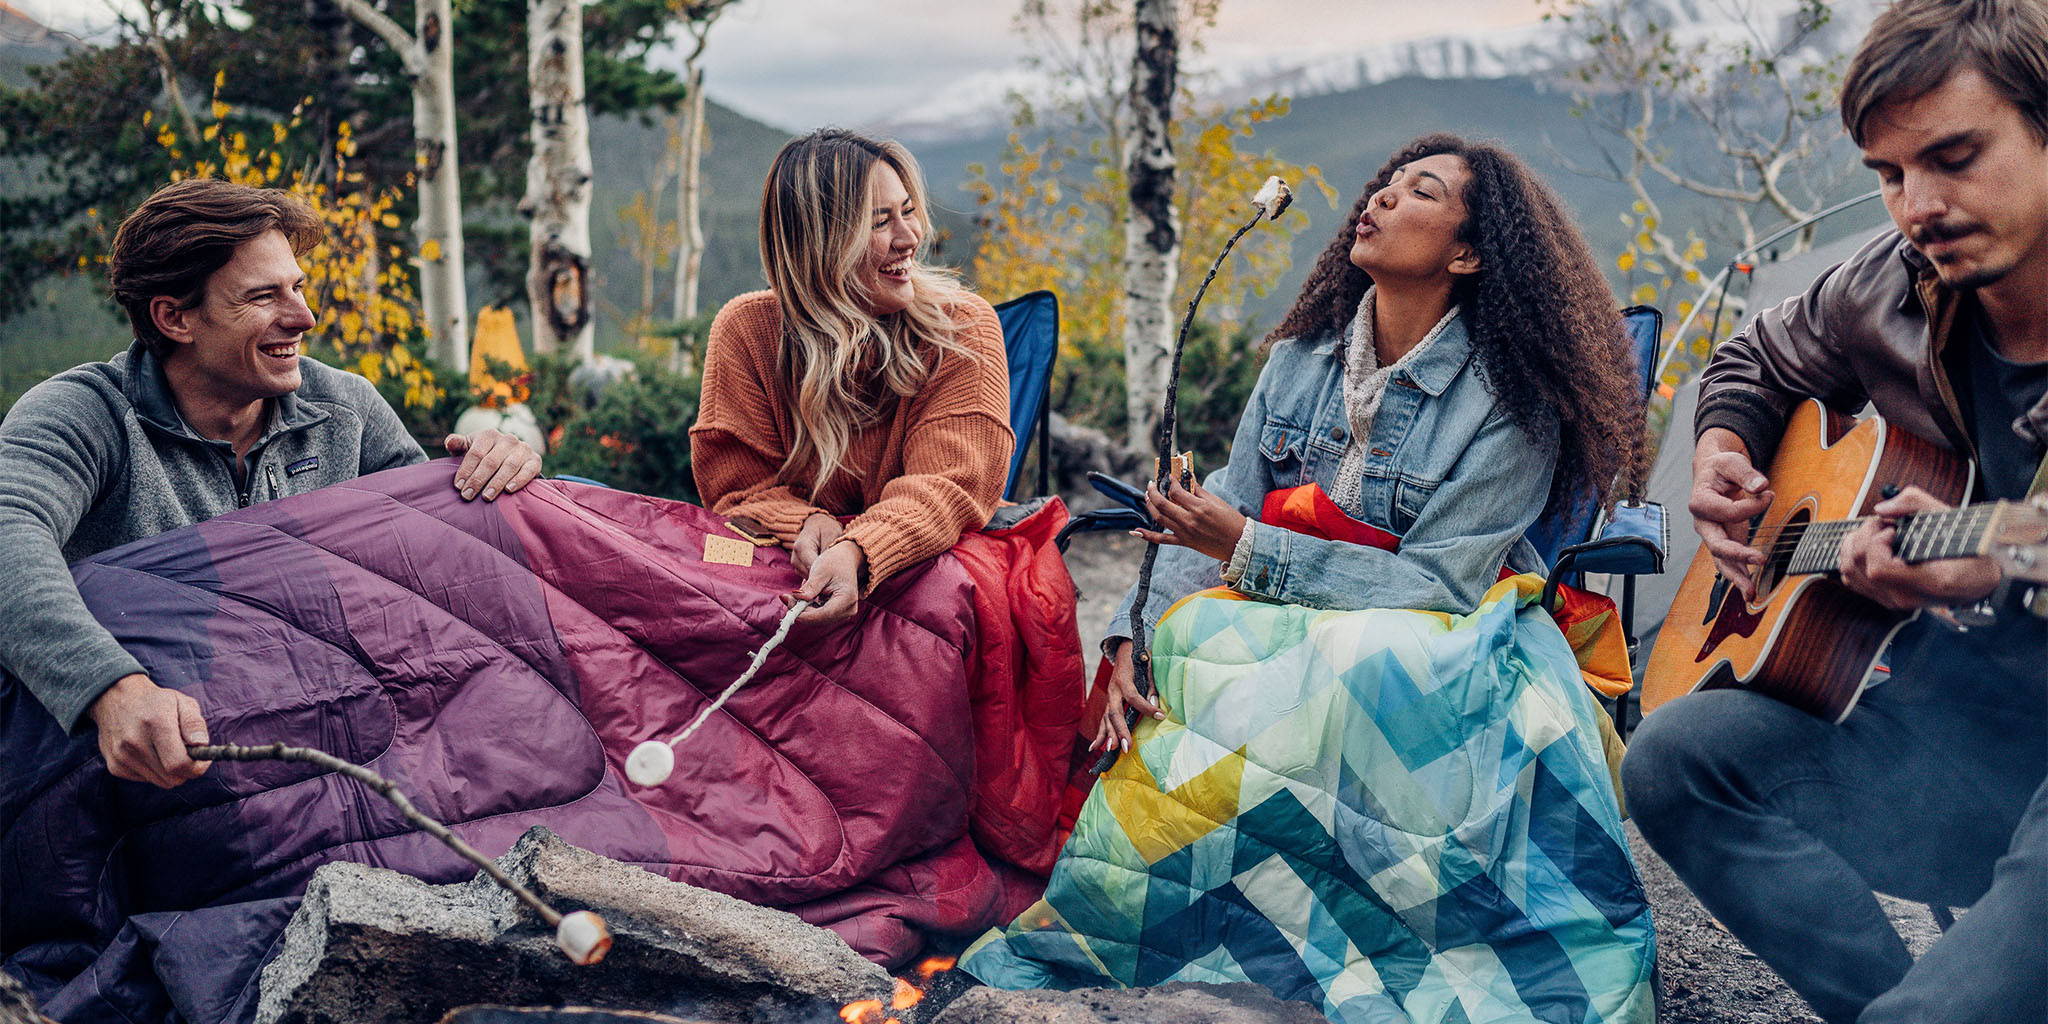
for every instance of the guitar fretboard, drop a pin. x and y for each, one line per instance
(1922, 537)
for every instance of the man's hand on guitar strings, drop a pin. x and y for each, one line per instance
(1870, 567)
(1727, 493)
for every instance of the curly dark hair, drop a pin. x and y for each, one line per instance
(1543, 323)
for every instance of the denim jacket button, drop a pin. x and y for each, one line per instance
(1336, 433)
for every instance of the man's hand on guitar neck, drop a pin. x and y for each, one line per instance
(1870, 567)
(1728, 492)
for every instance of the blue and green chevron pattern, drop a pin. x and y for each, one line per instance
(1402, 817)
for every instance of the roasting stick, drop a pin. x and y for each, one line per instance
(652, 761)
(1270, 201)
(582, 935)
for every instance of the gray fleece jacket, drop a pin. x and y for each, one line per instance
(98, 456)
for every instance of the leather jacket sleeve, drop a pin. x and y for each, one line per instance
(1787, 353)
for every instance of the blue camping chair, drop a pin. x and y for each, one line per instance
(1630, 540)
(1031, 340)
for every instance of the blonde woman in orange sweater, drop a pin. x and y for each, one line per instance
(862, 384)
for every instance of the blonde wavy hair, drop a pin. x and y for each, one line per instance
(846, 366)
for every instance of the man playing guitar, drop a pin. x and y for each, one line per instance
(1933, 787)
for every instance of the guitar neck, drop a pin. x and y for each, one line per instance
(1922, 537)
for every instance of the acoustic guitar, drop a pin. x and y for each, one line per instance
(1806, 639)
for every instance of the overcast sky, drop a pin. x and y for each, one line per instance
(801, 63)
(798, 64)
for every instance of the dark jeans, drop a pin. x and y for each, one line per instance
(1932, 790)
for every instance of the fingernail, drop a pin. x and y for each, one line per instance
(490, 493)
(1160, 715)
(1127, 745)
(468, 493)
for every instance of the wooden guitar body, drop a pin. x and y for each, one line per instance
(1805, 639)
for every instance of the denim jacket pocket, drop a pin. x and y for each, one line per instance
(1411, 496)
(1283, 446)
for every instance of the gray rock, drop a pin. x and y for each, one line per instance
(372, 944)
(596, 375)
(557, 1015)
(1177, 1003)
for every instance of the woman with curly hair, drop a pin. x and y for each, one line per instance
(863, 383)
(1454, 369)
(1377, 780)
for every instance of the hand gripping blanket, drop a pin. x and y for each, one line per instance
(1401, 817)
(894, 774)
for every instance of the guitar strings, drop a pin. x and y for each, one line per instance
(1787, 537)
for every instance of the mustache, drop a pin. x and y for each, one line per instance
(1942, 231)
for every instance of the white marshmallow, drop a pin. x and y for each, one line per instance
(650, 763)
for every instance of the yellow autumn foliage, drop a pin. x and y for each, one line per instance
(1051, 215)
(364, 301)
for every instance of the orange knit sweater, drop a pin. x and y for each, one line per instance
(929, 471)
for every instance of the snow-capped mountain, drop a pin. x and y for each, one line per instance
(977, 105)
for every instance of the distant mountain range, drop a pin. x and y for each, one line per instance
(977, 105)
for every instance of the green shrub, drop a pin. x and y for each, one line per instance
(637, 437)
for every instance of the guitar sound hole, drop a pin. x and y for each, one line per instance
(1778, 546)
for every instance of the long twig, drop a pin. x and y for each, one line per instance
(760, 658)
(1141, 640)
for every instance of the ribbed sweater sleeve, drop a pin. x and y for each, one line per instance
(956, 455)
(736, 447)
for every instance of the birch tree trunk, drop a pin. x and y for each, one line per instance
(690, 199)
(558, 180)
(427, 55)
(698, 17)
(1151, 227)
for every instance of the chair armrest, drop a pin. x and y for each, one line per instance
(1631, 542)
(1098, 520)
(1116, 490)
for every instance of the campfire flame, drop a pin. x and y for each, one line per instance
(908, 994)
(861, 1011)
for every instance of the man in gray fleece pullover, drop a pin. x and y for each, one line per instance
(212, 408)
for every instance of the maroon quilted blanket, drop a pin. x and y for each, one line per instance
(886, 777)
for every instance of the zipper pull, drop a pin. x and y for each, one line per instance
(270, 474)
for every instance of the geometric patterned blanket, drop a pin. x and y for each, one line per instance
(1402, 817)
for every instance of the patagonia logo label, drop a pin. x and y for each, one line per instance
(307, 464)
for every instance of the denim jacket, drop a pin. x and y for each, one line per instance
(1447, 470)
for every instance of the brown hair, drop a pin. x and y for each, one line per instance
(178, 237)
(1545, 331)
(1915, 45)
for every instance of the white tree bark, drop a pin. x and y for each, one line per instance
(690, 200)
(699, 18)
(558, 180)
(1151, 228)
(427, 56)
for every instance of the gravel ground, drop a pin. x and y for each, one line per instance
(1708, 976)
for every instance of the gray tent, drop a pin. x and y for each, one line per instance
(1671, 476)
